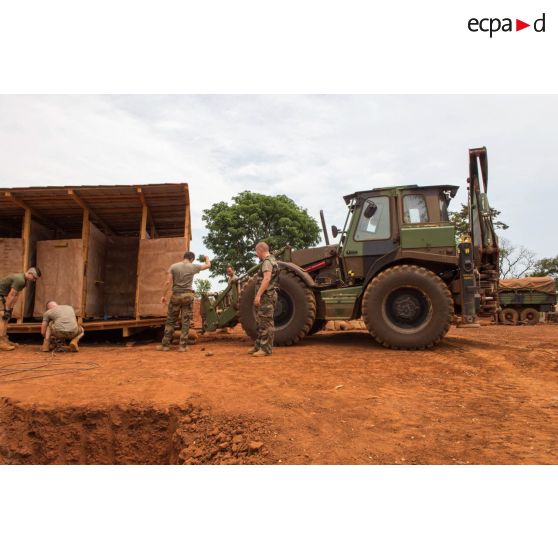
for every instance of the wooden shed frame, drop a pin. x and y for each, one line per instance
(157, 215)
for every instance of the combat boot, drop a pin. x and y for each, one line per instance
(253, 350)
(183, 348)
(6, 338)
(260, 353)
(46, 346)
(5, 345)
(74, 342)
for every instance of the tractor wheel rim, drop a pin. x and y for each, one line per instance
(283, 310)
(408, 309)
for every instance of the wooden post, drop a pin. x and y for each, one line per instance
(142, 236)
(25, 236)
(85, 241)
(143, 230)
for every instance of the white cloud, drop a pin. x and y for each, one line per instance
(315, 149)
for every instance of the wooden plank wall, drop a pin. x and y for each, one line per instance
(11, 258)
(61, 263)
(37, 232)
(155, 257)
(120, 276)
(95, 274)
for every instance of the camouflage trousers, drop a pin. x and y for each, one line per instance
(179, 303)
(264, 322)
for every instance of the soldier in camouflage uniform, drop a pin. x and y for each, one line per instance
(10, 287)
(180, 275)
(265, 300)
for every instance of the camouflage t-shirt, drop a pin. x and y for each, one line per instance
(183, 276)
(14, 281)
(63, 318)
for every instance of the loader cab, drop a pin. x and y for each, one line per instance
(390, 223)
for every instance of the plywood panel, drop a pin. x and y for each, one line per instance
(155, 257)
(95, 273)
(11, 261)
(120, 276)
(61, 263)
(37, 232)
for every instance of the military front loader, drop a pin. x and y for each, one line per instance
(397, 266)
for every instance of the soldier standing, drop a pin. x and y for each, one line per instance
(232, 277)
(10, 287)
(267, 283)
(180, 275)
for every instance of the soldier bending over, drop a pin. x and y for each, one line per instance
(10, 287)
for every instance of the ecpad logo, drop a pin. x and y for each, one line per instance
(493, 25)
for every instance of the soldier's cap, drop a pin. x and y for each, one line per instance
(35, 271)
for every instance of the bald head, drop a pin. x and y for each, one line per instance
(262, 250)
(51, 304)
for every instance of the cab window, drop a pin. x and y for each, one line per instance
(414, 209)
(444, 216)
(374, 222)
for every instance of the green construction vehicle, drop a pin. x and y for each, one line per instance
(397, 266)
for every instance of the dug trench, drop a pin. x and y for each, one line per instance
(486, 395)
(186, 434)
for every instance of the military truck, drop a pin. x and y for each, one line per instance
(522, 300)
(396, 265)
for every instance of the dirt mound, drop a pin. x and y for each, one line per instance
(127, 435)
(202, 439)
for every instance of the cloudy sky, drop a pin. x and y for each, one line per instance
(314, 149)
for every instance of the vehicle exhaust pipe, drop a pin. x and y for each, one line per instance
(326, 237)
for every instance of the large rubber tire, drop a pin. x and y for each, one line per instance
(295, 312)
(530, 316)
(509, 316)
(407, 307)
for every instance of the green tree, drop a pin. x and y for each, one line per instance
(202, 286)
(234, 229)
(546, 266)
(460, 220)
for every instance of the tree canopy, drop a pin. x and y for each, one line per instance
(460, 220)
(202, 286)
(234, 229)
(546, 266)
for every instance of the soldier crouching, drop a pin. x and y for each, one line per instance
(60, 324)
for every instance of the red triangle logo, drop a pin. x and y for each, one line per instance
(519, 25)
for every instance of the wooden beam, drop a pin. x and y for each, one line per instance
(85, 241)
(153, 229)
(25, 236)
(38, 216)
(143, 236)
(91, 213)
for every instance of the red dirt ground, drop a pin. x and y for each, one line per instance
(487, 395)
